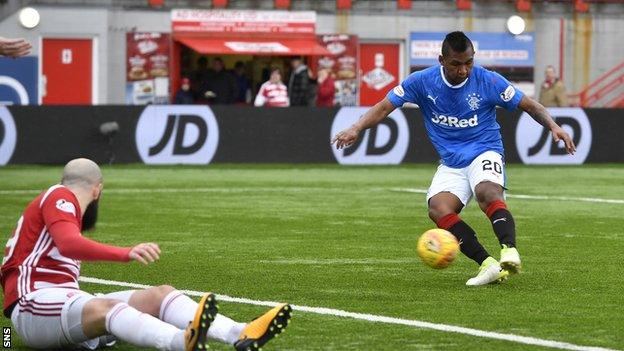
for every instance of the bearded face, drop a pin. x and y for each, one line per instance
(90, 216)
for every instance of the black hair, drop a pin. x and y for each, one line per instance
(275, 69)
(457, 42)
(239, 64)
(217, 59)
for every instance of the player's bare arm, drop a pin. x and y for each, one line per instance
(14, 47)
(371, 118)
(540, 115)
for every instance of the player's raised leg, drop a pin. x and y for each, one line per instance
(449, 192)
(443, 210)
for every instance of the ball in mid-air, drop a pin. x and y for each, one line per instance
(437, 248)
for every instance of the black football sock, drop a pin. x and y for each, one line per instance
(468, 243)
(504, 227)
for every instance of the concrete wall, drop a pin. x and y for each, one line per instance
(591, 41)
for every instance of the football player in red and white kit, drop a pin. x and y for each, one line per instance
(273, 93)
(40, 273)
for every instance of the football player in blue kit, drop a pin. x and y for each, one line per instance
(458, 102)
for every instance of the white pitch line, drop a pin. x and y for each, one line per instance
(530, 197)
(527, 340)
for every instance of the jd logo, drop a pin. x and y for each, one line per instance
(8, 135)
(1, 132)
(536, 146)
(177, 134)
(385, 143)
(178, 148)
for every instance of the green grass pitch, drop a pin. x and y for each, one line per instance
(339, 237)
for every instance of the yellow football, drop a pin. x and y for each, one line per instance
(437, 248)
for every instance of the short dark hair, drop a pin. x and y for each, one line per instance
(457, 42)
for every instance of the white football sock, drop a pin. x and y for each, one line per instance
(141, 329)
(225, 330)
(178, 309)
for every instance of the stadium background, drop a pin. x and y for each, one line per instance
(302, 228)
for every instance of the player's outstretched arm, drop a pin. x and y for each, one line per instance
(540, 115)
(14, 47)
(373, 116)
(72, 244)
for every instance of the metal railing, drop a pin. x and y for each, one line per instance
(605, 91)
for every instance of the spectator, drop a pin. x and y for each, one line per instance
(326, 89)
(184, 96)
(199, 78)
(273, 92)
(220, 87)
(553, 92)
(312, 88)
(243, 86)
(299, 83)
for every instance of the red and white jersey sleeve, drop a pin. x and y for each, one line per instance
(272, 95)
(31, 259)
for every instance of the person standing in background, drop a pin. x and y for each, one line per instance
(553, 92)
(273, 92)
(243, 86)
(199, 79)
(184, 96)
(299, 83)
(220, 87)
(326, 89)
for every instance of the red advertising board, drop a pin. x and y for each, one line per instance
(343, 64)
(243, 21)
(147, 67)
(379, 67)
(147, 56)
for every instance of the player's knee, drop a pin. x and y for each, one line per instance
(152, 300)
(437, 211)
(94, 314)
(162, 291)
(488, 192)
(100, 307)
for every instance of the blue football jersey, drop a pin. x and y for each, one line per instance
(461, 119)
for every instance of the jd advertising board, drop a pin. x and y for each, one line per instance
(178, 134)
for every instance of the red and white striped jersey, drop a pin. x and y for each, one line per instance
(31, 259)
(272, 95)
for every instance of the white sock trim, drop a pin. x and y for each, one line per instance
(166, 302)
(113, 313)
